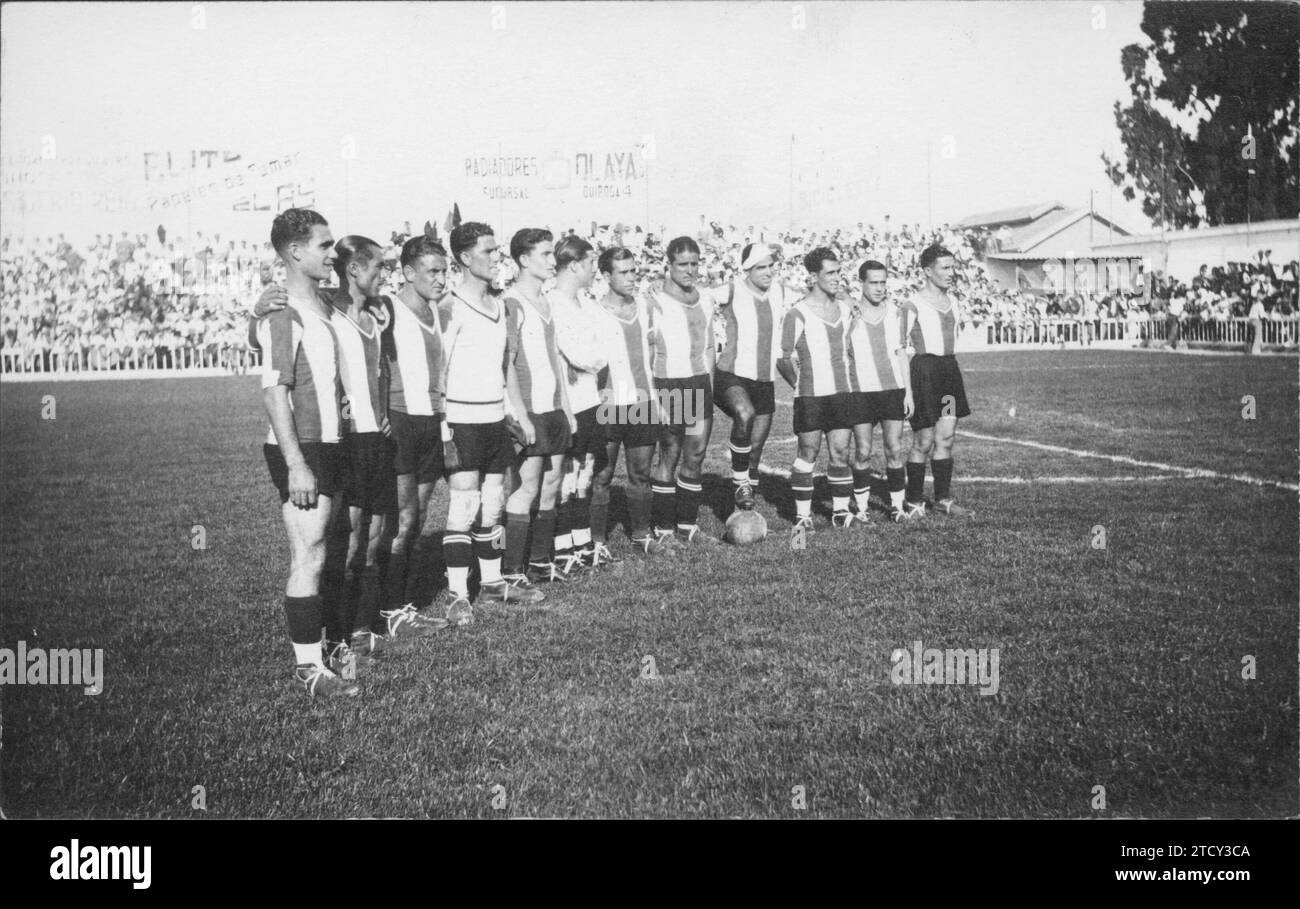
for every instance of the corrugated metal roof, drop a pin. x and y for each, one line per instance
(1009, 215)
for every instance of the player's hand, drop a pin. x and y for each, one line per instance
(528, 431)
(573, 424)
(909, 406)
(302, 486)
(273, 298)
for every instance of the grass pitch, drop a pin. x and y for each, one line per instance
(1119, 667)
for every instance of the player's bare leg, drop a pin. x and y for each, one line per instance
(526, 477)
(801, 478)
(922, 446)
(891, 432)
(541, 563)
(839, 476)
(690, 490)
(941, 465)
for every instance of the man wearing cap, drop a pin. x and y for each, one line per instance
(744, 380)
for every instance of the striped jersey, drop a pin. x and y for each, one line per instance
(681, 335)
(927, 330)
(752, 331)
(874, 339)
(822, 349)
(536, 358)
(581, 353)
(414, 350)
(300, 351)
(475, 352)
(359, 370)
(626, 343)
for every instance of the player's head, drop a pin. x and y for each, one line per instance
(824, 268)
(937, 263)
(359, 262)
(424, 266)
(618, 265)
(874, 277)
(756, 262)
(683, 260)
(533, 250)
(302, 239)
(574, 256)
(474, 248)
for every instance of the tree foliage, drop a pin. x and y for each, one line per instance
(1215, 84)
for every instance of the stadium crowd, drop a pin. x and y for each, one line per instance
(143, 297)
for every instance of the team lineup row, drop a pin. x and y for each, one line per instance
(373, 399)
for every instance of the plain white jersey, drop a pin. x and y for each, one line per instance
(581, 353)
(475, 354)
(359, 353)
(301, 353)
(875, 336)
(752, 331)
(536, 357)
(681, 335)
(928, 330)
(627, 346)
(416, 356)
(822, 349)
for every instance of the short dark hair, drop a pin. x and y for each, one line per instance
(523, 242)
(679, 245)
(813, 260)
(870, 265)
(294, 225)
(570, 250)
(418, 247)
(465, 237)
(611, 255)
(351, 247)
(933, 253)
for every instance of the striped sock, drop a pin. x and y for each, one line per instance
(801, 483)
(740, 464)
(840, 480)
(458, 552)
(689, 494)
(487, 549)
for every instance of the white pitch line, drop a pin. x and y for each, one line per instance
(1015, 481)
(1189, 472)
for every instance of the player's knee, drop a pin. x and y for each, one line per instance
(743, 424)
(462, 508)
(803, 464)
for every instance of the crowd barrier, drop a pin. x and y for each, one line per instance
(216, 360)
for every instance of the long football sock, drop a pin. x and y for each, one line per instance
(840, 480)
(740, 464)
(303, 615)
(368, 603)
(487, 551)
(897, 478)
(395, 579)
(459, 553)
(801, 484)
(915, 481)
(516, 541)
(561, 530)
(600, 512)
(689, 493)
(942, 469)
(665, 505)
(580, 520)
(862, 488)
(638, 512)
(543, 536)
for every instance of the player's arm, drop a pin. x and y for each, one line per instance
(383, 316)
(791, 329)
(277, 382)
(516, 410)
(904, 354)
(450, 330)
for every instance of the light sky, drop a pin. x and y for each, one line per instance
(899, 108)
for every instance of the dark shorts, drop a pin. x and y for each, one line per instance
(876, 406)
(325, 459)
(485, 447)
(684, 402)
(590, 437)
(823, 412)
(630, 425)
(417, 445)
(761, 395)
(935, 379)
(553, 436)
(369, 482)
